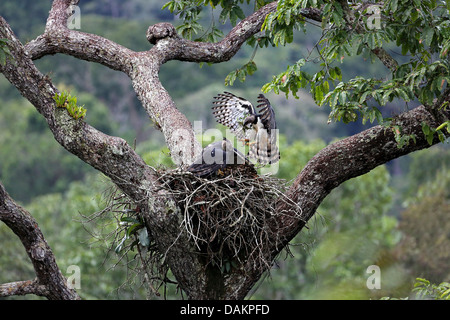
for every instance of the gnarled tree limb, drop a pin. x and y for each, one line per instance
(50, 282)
(341, 161)
(108, 154)
(335, 164)
(143, 67)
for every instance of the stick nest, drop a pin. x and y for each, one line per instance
(231, 220)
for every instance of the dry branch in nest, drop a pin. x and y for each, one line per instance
(233, 219)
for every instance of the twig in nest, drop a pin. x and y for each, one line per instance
(230, 220)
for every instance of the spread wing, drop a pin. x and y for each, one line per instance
(234, 112)
(266, 113)
(265, 149)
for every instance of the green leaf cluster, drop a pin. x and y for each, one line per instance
(65, 100)
(241, 73)
(424, 289)
(189, 12)
(422, 33)
(430, 132)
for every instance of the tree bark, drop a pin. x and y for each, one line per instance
(50, 282)
(333, 165)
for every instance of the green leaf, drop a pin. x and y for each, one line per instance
(251, 68)
(337, 18)
(224, 15)
(445, 293)
(133, 228)
(430, 138)
(334, 98)
(235, 13)
(386, 97)
(326, 87)
(343, 97)
(363, 97)
(287, 17)
(230, 78)
(441, 136)
(318, 94)
(428, 34)
(421, 282)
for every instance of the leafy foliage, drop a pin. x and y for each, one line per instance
(189, 11)
(65, 100)
(421, 31)
(327, 262)
(424, 289)
(361, 208)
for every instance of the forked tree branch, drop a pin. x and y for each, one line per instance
(143, 67)
(108, 154)
(333, 165)
(341, 161)
(50, 282)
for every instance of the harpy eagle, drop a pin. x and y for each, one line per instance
(259, 129)
(219, 159)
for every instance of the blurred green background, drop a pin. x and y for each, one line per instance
(395, 217)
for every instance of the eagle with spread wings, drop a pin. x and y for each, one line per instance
(258, 129)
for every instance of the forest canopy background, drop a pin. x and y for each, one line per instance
(398, 211)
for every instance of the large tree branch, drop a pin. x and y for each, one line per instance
(50, 282)
(108, 154)
(341, 161)
(177, 48)
(143, 67)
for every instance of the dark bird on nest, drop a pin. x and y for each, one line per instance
(220, 159)
(259, 130)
